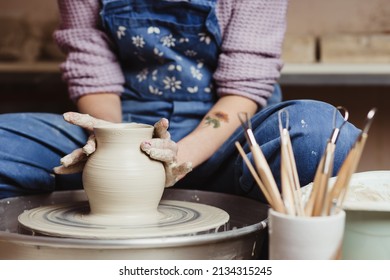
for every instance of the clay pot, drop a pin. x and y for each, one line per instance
(121, 181)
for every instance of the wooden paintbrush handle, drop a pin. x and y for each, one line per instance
(267, 177)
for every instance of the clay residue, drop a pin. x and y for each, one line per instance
(364, 193)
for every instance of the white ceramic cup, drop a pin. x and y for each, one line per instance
(305, 238)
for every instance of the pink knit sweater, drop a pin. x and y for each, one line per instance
(249, 63)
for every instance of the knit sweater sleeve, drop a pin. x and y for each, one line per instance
(91, 66)
(250, 60)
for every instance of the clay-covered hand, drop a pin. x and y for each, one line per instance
(75, 161)
(163, 149)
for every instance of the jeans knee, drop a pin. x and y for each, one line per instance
(311, 128)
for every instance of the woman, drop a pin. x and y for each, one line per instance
(189, 67)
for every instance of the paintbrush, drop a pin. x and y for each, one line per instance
(316, 203)
(338, 192)
(261, 164)
(254, 174)
(290, 185)
(324, 176)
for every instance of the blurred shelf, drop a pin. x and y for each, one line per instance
(29, 73)
(33, 67)
(316, 74)
(336, 74)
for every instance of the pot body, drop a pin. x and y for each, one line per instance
(119, 179)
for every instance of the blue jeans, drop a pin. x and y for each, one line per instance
(33, 143)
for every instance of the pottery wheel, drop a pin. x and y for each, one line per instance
(73, 220)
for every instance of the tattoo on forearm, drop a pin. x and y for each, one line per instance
(216, 118)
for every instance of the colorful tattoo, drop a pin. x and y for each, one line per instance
(216, 118)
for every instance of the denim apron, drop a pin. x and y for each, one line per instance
(168, 51)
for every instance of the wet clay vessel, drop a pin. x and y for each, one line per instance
(119, 179)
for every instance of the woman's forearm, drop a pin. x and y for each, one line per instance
(105, 106)
(215, 128)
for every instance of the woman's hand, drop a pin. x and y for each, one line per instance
(163, 149)
(75, 161)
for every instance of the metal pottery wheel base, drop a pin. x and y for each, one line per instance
(243, 237)
(173, 218)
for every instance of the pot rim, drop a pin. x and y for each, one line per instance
(123, 126)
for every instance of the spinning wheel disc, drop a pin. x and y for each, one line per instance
(173, 218)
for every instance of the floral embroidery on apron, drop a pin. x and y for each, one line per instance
(168, 49)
